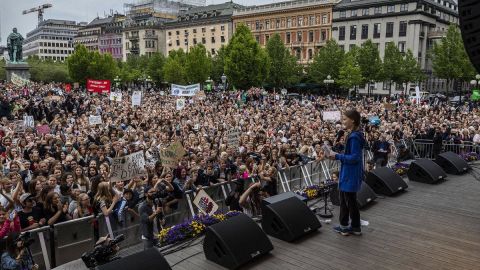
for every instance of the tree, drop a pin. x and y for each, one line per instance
(47, 70)
(370, 63)
(155, 67)
(326, 62)
(3, 73)
(283, 65)
(350, 74)
(84, 64)
(218, 64)
(392, 63)
(449, 58)
(246, 63)
(198, 64)
(410, 69)
(174, 69)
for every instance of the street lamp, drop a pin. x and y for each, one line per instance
(475, 83)
(224, 81)
(328, 81)
(117, 81)
(148, 81)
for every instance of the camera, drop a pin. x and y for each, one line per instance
(102, 253)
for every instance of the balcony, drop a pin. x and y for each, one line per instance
(135, 50)
(151, 36)
(132, 37)
(437, 34)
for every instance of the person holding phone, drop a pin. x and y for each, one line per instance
(351, 175)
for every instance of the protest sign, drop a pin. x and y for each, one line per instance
(28, 121)
(68, 87)
(180, 104)
(116, 96)
(128, 167)
(185, 91)
(233, 137)
(43, 129)
(98, 86)
(172, 154)
(332, 116)
(94, 120)
(136, 98)
(19, 126)
(200, 95)
(76, 85)
(205, 203)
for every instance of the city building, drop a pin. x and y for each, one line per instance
(88, 35)
(52, 39)
(410, 24)
(304, 25)
(143, 29)
(110, 41)
(209, 25)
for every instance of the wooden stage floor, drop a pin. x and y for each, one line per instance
(426, 227)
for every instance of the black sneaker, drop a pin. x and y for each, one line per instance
(342, 230)
(355, 231)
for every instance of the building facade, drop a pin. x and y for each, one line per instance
(52, 39)
(304, 25)
(210, 26)
(110, 41)
(410, 24)
(88, 35)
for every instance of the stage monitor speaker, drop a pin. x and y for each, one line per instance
(452, 163)
(425, 171)
(288, 219)
(235, 242)
(281, 197)
(365, 195)
(150, 259)
(385, 181)
(469, 11)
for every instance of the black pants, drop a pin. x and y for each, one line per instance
(349, 209)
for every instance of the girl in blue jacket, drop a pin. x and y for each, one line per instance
(351, 175)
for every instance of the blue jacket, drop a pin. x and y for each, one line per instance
(351, 172)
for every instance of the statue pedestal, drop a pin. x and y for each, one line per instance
(20, 69)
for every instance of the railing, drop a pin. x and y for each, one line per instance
(427, 149)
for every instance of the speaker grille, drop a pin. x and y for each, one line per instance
(469, 11)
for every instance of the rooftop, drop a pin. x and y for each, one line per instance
(279, 6)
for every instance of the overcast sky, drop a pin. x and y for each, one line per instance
(76, 10)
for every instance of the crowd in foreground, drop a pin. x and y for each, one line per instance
(64, 173)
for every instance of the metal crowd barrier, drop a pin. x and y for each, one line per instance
(73, 238)
(426, 148)
(41, 247)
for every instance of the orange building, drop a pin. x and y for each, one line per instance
(304, 25)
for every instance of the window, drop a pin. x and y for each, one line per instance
(311, 20)
(194, 41)
(353, 13)
(404, 7)
(378, 10)
(310, 36)
(352, 47)
(178, 42)
(300, 21)
(195, 30)
(178, 33)
(212, 29)
(341, 33)
(267, 37)
(267, 24)
(401, 46)
(403, 29)
(324, 19)
(377, 29)
(289, 22)
(310, 54)
(365, 31)
(343, 14)
(257, 38)
(288, 38)
(299, 36)
(391, 9)
(222, 28)
(324, 35)
(299, 54)
(204, 30)
(365, 11)
(389, 33)
(213, 51)
(204, 40)
(257, 25)
(185, 41)
(222, 39)
(342, 47)
(213, 39)
(277, 24)
(353, 32)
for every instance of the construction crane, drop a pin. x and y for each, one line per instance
(38, 9)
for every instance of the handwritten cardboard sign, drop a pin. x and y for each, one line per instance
(205, 203)
(43, 129)
(233, 137)
(128, 167)
(94, 120)
(171, 155)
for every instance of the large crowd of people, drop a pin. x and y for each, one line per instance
(64, 173)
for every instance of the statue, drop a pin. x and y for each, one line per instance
(14, 46)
